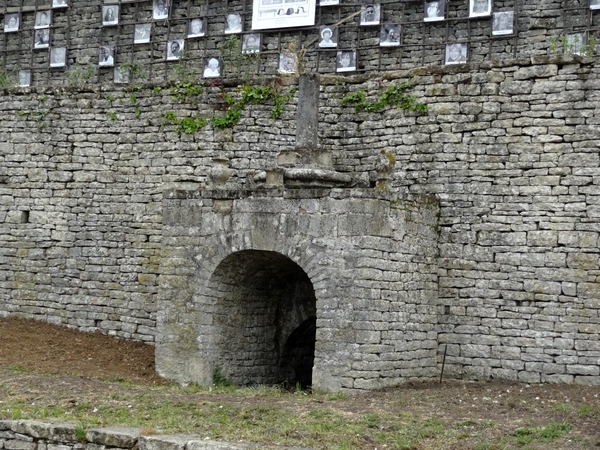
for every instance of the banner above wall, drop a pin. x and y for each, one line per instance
(269, 14)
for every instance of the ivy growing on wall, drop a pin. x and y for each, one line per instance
(393, 96)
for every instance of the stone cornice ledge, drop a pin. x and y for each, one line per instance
(33, 431)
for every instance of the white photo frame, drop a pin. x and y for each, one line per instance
(160, 9)
(107, 56)
(346, 61)
(594, 4)
(212, 67)
(60, 4)
(58, 56)
(110, 15)
(196, 27)
(434, 11)
(287, 64)
(175, 49)
(251, 43)
(329, 36)
(503, 23)
(24, 78)
(12, 22)
(370, 14)
(121, 75)
(456, 53)
(391, 33)
(41, 38)
(233, 23)
(142, 33)
(480, 8)
(43, 19)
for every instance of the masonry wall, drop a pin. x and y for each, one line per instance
(509, 148)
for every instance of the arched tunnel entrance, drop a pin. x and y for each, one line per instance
(264, 318)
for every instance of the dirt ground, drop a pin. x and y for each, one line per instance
(87, 366)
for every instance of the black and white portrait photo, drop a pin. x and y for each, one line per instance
(346, 61)
(456, 53)
(58, 56)
(233, 23)
(110, 15)
(41, 38)
(12, 22)
(175, 49)
(212, 68)
(59, 4)
(24, 78)
(121, 75)
(328, 37)
(479, 8)
(142, 33)
(196, 27)
(503, 23)
(435, 11)
(251, 43)
(107, 56)
(390, 35)
(160, 9)
(42, 19)
(594, 4)
(370, 15)
(287, 64)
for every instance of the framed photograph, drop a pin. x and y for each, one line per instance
(121, 75)
(142, 33)
(196, 27)
(110, 15)
(233, 23)
(594, 4)
(287, 63)
(160, 10)
(346, 61)
(59, 4)
(503, 23)
(43, 19)
(12, 22)
(41, 38)
(24, 78)
(370, 15)
(269, 14)
(456, 53)
(329, 36)
(107, 56)
(390, 35)
(175, 49)
(575, 43)
(435, 11)
(329, 2)
(58, 57)
(212, 68)
(480, 8)
(251, 43)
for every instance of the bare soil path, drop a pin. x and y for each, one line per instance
(46, 370)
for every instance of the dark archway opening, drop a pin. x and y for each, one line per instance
(264, 317)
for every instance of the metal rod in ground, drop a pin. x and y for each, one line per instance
(443, 362)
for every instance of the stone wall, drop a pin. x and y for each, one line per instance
(538, 30)
(510, 149)
(35, 435)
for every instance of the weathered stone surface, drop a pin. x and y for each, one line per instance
(113, 436)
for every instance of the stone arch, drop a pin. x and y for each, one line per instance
(262, 303)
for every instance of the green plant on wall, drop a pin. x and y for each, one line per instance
(394, 96)
(8, 78)
(573, 44)
(253, 95)
(77, 75)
